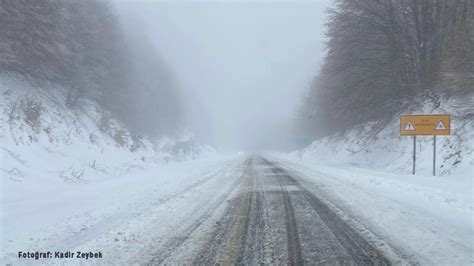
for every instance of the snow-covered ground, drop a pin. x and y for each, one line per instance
(429, 218)
(118, 216)
(42, 138)
(68, 175)
(386, 150)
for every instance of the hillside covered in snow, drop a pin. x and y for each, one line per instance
(378, 145)
(383, 60)
(41, 138)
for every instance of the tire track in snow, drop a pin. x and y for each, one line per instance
(361, 251)
(175, 242)
(293, 243)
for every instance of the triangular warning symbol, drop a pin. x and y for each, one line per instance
(440, 126)
(409, 127)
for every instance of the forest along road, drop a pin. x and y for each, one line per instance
(272, 218)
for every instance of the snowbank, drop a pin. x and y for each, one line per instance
(42, 138)
(386, 150)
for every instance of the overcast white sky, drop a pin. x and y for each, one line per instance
(246, 63)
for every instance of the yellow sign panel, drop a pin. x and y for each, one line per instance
(411, 125)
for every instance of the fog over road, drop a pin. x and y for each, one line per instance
(240, 64)
(271, 217)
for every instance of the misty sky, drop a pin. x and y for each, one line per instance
(246, 64)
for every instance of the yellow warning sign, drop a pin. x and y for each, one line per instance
(411, 125)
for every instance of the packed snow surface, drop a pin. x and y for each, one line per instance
(429, 218)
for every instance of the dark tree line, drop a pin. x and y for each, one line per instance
(81, 45)
(381, 54)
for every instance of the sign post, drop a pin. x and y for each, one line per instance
(425, 125)
(301, 142)
(414, 154)
(434, 155)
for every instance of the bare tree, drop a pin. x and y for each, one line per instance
(381, 53)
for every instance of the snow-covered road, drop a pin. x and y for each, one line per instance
(428, 219)
(249, 210)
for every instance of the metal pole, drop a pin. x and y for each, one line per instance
(414, 153)
(434, 155)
